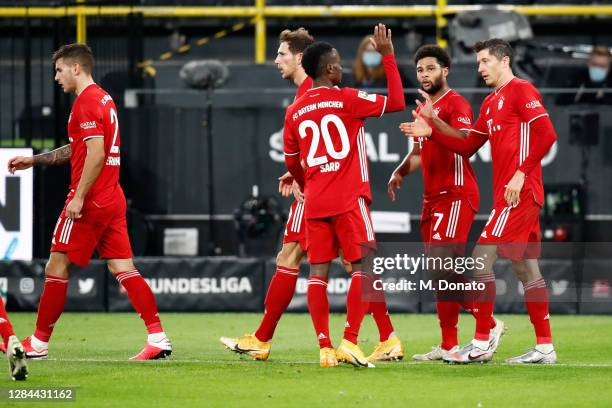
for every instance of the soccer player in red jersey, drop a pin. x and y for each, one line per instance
(326, 126)
(451, 197)
(282, 286)
(519, 129)
(15, 352)
(94, 214)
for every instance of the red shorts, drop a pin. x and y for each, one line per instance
(515, 230)
(295, 231)
(351, 231)
(104, 229)
(447, 220)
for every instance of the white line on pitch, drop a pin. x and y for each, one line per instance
(246, 361)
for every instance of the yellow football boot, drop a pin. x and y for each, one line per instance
(389, 350)
(327, 357)
(351, 353)
(249, 345)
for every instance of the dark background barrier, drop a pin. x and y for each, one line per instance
(87, 290)
(239, 285)
(197, 284)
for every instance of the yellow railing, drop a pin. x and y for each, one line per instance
(259, 12)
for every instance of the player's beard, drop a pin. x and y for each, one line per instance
(436, 85)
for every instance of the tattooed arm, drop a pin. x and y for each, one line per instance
(53, 158)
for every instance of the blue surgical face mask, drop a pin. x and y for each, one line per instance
(598, 74)
(371, 59)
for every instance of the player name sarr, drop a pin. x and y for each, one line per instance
(319, 105)
(405, 285)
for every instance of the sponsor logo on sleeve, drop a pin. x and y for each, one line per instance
(88, 125)
(105, 99)
(465, 120)
(366, 96)
(533, 104)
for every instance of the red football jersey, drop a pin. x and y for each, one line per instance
(94, 115)
(505, 116)
(445, 172)
(326, 126)
(304, 86)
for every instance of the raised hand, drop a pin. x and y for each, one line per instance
(418, 128)
(425, 108)
(381, 40)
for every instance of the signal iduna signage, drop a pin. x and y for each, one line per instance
(16, 208)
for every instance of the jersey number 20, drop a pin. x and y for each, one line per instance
(323, 130)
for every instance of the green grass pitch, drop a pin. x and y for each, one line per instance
(90, 352)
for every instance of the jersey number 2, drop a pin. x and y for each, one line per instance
(114, 121)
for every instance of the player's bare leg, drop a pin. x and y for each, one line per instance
(279, 295)
(158, 345)
(486, 340)
(536, 301)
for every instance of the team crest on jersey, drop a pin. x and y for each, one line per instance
(436, 110)
(366, 96)
(500, 104)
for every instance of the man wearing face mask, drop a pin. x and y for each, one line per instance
(596, 78)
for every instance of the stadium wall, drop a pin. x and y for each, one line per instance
(228, 284)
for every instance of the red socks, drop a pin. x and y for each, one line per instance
(6, 330)
(379, 312)
(448, 316)
(142, 299)
(355, 306)
(280, 293)
(318, 305)
(536, 300)
(51, 306)
(484, 305)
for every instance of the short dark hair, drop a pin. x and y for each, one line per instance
(297, 40)
(496, 46)
(434, 51)
(313, 60)
(79, 53)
